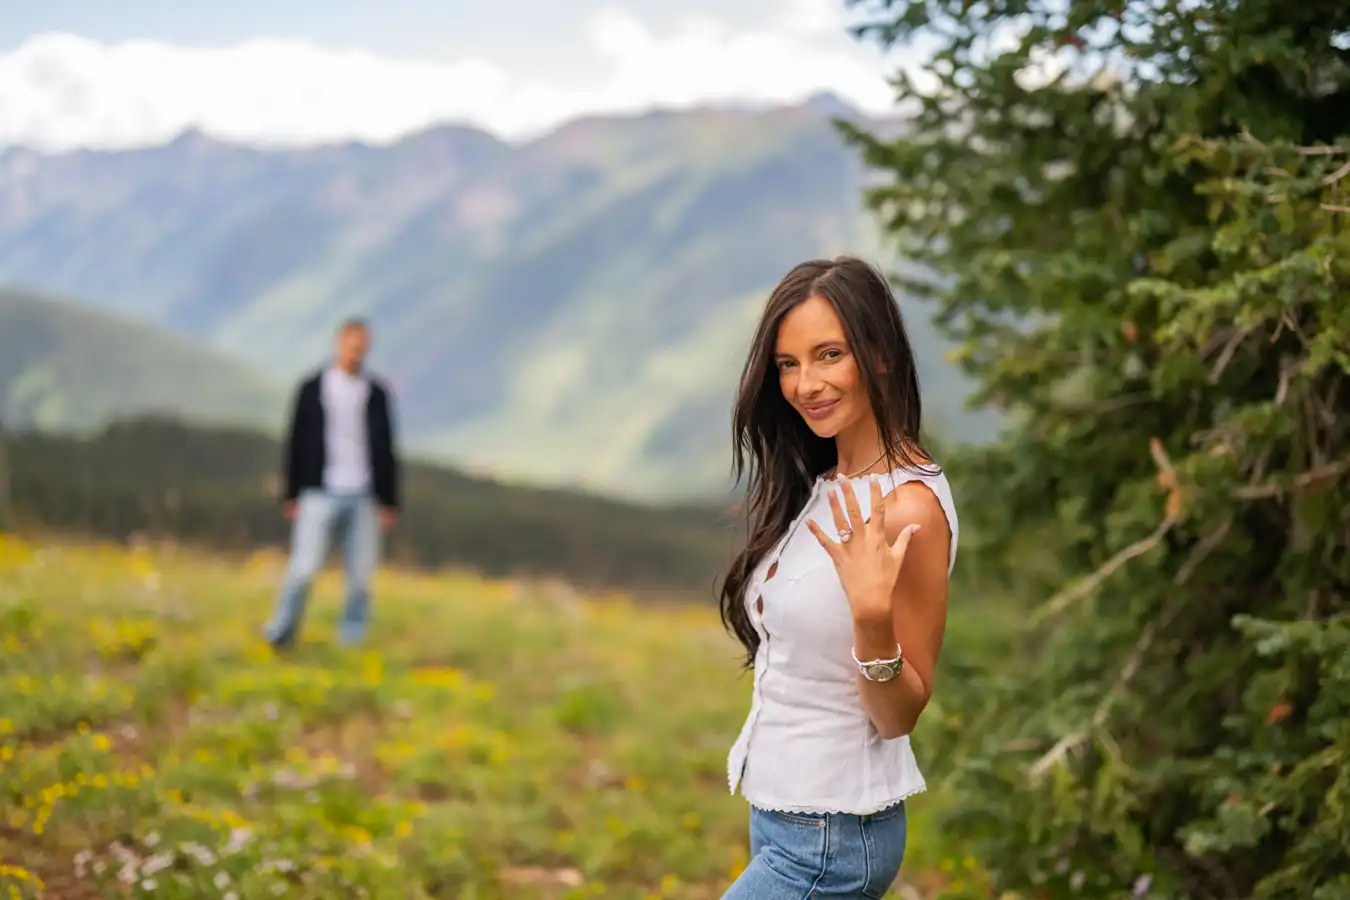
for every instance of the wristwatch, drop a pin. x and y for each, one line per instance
(881, 669)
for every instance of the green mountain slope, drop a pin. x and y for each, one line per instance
(64, 367)
(573, 310)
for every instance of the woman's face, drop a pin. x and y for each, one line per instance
(817, 370)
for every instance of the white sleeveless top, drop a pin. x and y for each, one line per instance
(807, 744)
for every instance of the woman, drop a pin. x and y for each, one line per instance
(841, 620)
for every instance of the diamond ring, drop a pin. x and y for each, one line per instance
(846, 535)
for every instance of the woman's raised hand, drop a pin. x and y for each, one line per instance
(867, 563)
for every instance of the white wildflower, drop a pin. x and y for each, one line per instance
(199, 853)
(239, 837)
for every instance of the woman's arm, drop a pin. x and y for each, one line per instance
(917, 618)
(893, 568)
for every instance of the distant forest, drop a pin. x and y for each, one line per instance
(219, 488)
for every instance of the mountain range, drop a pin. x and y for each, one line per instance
(569, 310)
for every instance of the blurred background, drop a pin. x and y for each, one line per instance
(561, 221)
(1117, 232)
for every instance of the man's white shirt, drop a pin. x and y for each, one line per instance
(346, 444)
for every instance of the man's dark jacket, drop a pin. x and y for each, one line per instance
(305, 449)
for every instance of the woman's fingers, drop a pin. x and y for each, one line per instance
(851, 504)
(901, 545)
(825, 542)
(840, 521)
(878, 517)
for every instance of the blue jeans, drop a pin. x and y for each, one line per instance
(318, 514)
(796, 856)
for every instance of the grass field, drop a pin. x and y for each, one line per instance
(491, 740)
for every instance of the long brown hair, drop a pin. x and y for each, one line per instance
(775, 447)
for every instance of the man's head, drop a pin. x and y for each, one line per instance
(351, 345)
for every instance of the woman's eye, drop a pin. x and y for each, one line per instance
(832, 354)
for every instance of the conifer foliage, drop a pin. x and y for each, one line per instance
(1136, 217)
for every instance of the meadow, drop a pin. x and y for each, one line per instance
(492, 739)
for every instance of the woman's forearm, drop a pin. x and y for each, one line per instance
(893, 706)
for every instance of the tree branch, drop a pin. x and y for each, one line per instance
(1337, 175)
(1239, 334)
(1064, 599)
(1282, 389)
(1111, 404)
(1303, 480)
(1203, 549)
(1167, 479)
(1135, 660)
(1063, 747)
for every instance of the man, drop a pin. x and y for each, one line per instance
(340, 474)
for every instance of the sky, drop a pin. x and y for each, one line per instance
(121, 73)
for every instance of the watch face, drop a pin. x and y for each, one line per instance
(880, 672)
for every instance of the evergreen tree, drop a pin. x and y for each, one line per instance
(1136, 217)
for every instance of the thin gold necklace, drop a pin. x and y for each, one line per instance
(864, 468)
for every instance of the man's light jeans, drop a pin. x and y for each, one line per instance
(317, 515)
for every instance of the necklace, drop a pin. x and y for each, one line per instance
(864, 468)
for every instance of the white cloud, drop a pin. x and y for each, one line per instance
(60, 90)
